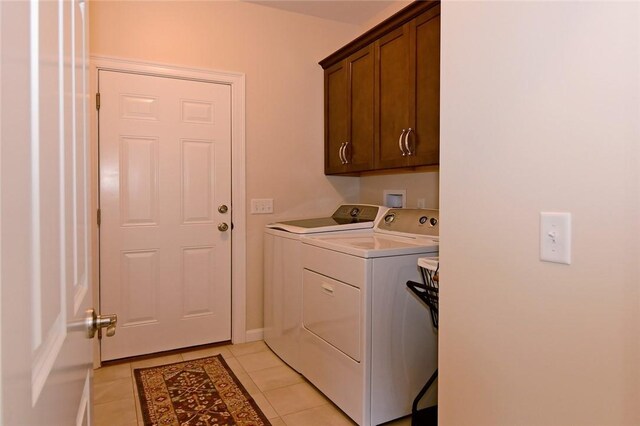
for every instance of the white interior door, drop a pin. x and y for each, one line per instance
(45, 289)
(165, 168)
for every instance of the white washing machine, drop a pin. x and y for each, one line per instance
(367, 342)
(283, 272)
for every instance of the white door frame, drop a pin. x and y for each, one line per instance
(238, 191)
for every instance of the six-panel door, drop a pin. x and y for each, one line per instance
(165, 147)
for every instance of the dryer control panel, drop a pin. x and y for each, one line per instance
(422, 222)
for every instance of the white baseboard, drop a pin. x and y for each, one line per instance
(254, 335)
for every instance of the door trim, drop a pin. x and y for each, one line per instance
(238, 191)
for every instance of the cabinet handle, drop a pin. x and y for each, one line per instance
(400, 143)
(341, 154)
(344, 153)
(328, 289)
(406, 141)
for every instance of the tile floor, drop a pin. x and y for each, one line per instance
(284, 396)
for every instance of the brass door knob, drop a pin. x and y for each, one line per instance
(222, 227)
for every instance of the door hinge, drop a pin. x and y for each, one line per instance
(99, 218)
(98, 101)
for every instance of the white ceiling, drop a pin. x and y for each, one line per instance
(350, 11)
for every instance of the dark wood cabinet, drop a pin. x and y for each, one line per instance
(394, 95)
(349, 112)
(408, 93)
(424, 142)
(382, 95)
(336, 120)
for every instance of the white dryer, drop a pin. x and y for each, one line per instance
(283, 272)
(367, 342)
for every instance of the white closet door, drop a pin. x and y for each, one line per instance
(46, 358)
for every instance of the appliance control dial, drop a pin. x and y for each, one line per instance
(433, 221)
(423, 220)
(354, 212)
(389, 218)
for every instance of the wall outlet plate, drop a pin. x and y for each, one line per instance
(261, 205)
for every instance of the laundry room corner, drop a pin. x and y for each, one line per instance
(284, 98)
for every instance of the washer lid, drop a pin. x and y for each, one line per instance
(346, 217)
(313, 226)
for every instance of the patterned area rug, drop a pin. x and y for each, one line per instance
(202, 392)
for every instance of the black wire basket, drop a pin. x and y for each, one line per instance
(429, 290)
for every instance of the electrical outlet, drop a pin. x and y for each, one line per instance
(261, 205)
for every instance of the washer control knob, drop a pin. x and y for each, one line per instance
(433, 221)
(354, 212)
(423, 220)
(389, 218)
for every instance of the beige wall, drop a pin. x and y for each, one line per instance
(418, 186)
(393, 7)
(278, 51)
(540, 112)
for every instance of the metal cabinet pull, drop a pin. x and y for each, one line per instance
(340, 153)
(406, 142)
(400, 141)
(344, 153)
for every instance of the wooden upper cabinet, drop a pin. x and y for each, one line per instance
(349, 112)
(425, 140)
(408, 94)
(336, 119)
(382, 95)
(393, 97)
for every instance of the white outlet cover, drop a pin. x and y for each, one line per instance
(261, 205)
(555, 237)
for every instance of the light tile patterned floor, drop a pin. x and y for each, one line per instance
(284, 396)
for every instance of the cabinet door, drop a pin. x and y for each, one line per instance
(359, 149)
(336, 116)
(424, 140)
(394, 86)
(349, 114)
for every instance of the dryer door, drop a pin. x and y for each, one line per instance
(332, 311)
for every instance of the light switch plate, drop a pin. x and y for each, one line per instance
(555, 237)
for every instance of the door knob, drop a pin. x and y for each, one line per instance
(94, 322)
(223, 208)
(222, 227)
